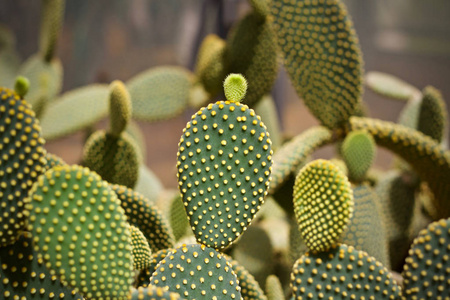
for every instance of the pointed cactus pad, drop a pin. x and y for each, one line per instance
(323, 203)
(119, 107)
(81, 231)
(22, 160)
(197, 272)
(141, 249)
(342, 273)
(224, 165)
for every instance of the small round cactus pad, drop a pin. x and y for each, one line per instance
(22, 160)
(81, 231)
(342, 273)
(224, 165)
(427, 268)
(323, 203)
(197, 272)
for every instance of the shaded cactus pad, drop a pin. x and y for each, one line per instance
(153, 293)
(358, 152)
(390, 86)
(81, 230)
(323, 203)
(341, 273)
(141, 249)
(22, 160)
(427, 272)
(119, 107)
(224, 165)
(197, 272)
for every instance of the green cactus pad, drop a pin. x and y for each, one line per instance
(358, 152)
(153, 293)
(143, 278)
(135, 132)
(177, 216)
(140, 249)
(148, 184)
(159, 93)
(119, 107)
(81, 231)
(250, 289)
(267, 110)
(115, 159)
(68, 113)
(53, 160)
(425, 155)
(24, 276)
(322, 56)
(22, 160)
(52, 17)
(390, 86)
(433, 114)
(292, 154)
(342, 272)
(274, 290)
(197, 272)
(224, 165)
(261, 7)
(366, 230)
(235, 87)
(426, 272)
(146, 216)
(323, 203)
(45, 78)
(21, 86)
(209, 68)
(251, 51)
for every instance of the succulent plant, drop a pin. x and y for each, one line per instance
(250, 289)
(390, 86)
(358, 152)
(153, 293)
(143, 278)
(274, 290)
(140, 249)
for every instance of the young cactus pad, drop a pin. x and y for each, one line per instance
(358, 152)
(224, 165)
(81, 231)
(235, 87)
(342, 273)
(323, 203)
(140, 249)
(197, 272)
(119, 107)
(22, 160)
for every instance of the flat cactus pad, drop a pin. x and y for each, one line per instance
(224, 165)
(390, 86)
(153, 293)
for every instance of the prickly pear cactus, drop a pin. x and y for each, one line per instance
(323, 203)
(358, 152)
(119, 107)
(250, 289)
(80, 229)
(204, 273)
(52, 17)
(322, 56)
(432, 119)
(140, 249)
(390, 86)
(53, 160)
(143, 278)
(153, 293)
(274, 290)
(22, 160)
(224, 165)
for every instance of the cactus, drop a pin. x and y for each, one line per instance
(21, 86)
(153, 293)
(432, 119)
(342, 272)
(81, 231)
(274, 290)
(148, 184)
(250, 289)
(204, 273)
(390, 86)
(426, 270)
(322, 56)
(9, 59)
(358, 152)
(119, 107)
(140, 249)
(22, 160)
(53, 160)
(52, 19)
(177, 217)
(261, 7)
(143, 278)
(266, 109)
(236, 171)
(323, 204)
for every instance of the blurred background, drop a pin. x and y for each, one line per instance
(104, 40)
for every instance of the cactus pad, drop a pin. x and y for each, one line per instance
(143, 278)
(433, 114)
(159, 93)
(52, 17)
(342, 272)
(358, 152)
(140, 249)
(197, 272)
(21, 86)
(235, 87)
(177, 217)
(119, 107)
(22, 160)
(153, 293)
(322, 56)
(53, 160)
(224, 165)
(390, 86)
(146, 216)
(115, 159)
(274, 289)
(68, 113)
(426, 272)
(81, 231)
(323, 203)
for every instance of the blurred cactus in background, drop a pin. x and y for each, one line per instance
(258, 214)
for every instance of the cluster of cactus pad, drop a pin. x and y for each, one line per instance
(255, 217)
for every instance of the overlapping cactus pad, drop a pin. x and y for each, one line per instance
(224, 165)
(81, 232)
(22, 160)
(141, 249)
(197, 272)
(323, 203)
(342, 273)
(358, 152)
(153, 293)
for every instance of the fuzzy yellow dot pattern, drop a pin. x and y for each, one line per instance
(153, 293)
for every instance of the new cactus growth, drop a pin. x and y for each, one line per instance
(358, 152)
(21, 86)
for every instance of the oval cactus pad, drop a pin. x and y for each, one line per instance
(224, 165)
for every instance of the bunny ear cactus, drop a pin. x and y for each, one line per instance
(323, 204)
(342, 272)
(224, 164)
(53, 161)
(140, 249)
(52, 20)
(143, 278)
(390, 86)
(426, 270)
(433, 114)
(322, 56)
(22, 160)
(21, 86)
(81, 231)
(119, 107)
(197, 272)
(358, 152)
(153, 293)
(261, 7)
